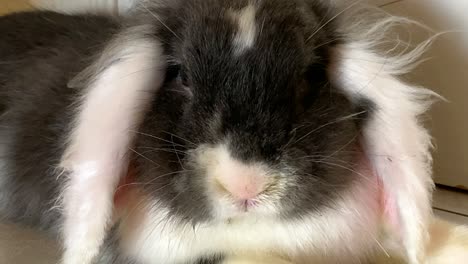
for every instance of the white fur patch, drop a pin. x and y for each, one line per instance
(394, 140)
(247, 29)
(96, 157)
(335, 235)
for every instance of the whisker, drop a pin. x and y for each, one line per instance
(314, 156)
(380, 246)
(151, 182)
(335, 160)
(341, 119)
(155, 137)
(325, 154)
(322, 181)
(150, 149)
(343, 167)
(292, 139)
(143, 156)
(179, 137)
(148, 182)
(130, 74)
(160, 21)
(333, 18)
(325, 43)
(345, 145)
(177, 154)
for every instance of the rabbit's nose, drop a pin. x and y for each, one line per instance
(243, 186)
(242, 181)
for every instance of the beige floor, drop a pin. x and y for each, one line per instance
(20, 246)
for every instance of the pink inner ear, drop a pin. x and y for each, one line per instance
(390, 210)
(124, 186)
(388, 202)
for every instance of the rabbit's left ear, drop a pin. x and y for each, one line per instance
(393, 138)
(118, 89)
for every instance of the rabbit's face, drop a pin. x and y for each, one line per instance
(248, 122)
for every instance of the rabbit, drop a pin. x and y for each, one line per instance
(207, 131)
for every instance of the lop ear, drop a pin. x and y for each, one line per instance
(393, 138)
(118, 88)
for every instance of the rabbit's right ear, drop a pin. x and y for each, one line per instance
(117, 91)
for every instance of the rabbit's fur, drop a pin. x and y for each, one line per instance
(147, 138)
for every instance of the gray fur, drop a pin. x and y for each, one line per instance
(39, 54)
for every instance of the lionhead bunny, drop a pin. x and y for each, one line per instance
(205, 131)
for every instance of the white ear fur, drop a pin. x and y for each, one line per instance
(394, 140)
(115, 100)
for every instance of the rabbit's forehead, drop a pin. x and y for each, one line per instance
(252, 30)
(244, 49)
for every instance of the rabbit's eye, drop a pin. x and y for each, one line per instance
(172, 72)
(314, 80)
(177, 71)
(183, 77)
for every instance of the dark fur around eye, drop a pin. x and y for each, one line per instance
(184, 77)
(314, 80)
(172, 72)
(175, 71)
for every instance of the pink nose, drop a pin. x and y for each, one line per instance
(243, 184)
